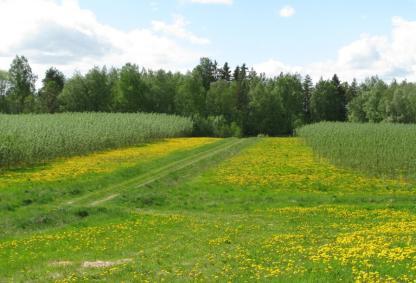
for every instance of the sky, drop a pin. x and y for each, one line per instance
(355, 39)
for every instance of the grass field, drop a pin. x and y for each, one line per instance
(206, 210)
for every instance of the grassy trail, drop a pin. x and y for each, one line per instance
(61, 202)
(106, 194)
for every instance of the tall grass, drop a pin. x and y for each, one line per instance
(378, 149)
(28, 139)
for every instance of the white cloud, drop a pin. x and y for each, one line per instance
(70, 38)
(274, 67)
(178, 29)
(223, 2)
(389, 57)
(287, 11)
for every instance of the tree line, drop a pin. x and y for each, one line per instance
(221, 101)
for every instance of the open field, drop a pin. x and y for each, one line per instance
(29, 139)
(206, 210)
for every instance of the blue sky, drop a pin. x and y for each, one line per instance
(353, 38)
(252, 31)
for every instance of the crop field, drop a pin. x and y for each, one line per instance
(206, 209)
(377, 149)
(34, 138)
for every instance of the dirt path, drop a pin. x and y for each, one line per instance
(99, 197)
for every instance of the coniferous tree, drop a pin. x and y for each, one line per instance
(339, 101)
(352, 91)
(243, 72)
(252, 75)
(322, 101)
(225, 72)
(307, 88)
(240, 89)
(236, 73)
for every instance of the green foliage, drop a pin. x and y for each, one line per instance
(289, 89)
(73, 96)
(22, 86)
(4, 86)
(53, 84)
(265, 110)
(207, 72)
(132, 89)
(98, 90)
(36, 138)
(220, 100)
(378, 102)
(221, 104)
(90, 93)
(381, 149)
(216, 126)
(190, 99)
(356, 112)
(162, 91)
(328, 101)
(307, 87)
(4, 75)
(275, 105)
(254, 104)
(225, 72)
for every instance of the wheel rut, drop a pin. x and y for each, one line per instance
(104, 195)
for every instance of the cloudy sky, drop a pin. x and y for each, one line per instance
(351, 38)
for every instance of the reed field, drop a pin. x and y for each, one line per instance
(380, 149)
(31, 138)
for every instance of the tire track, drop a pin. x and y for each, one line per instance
(99, 197)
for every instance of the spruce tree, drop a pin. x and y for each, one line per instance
(225, 72)
(307, 88)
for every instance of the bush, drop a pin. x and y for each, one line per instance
(215, 126)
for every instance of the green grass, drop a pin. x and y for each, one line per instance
(380, 149)
(33, 205)
(28, 139)
(236, 210)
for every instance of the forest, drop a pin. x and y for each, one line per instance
(220, 100)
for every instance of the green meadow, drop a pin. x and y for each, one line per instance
(240, 210)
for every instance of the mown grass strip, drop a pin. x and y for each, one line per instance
(153, 175)
(51, 210)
